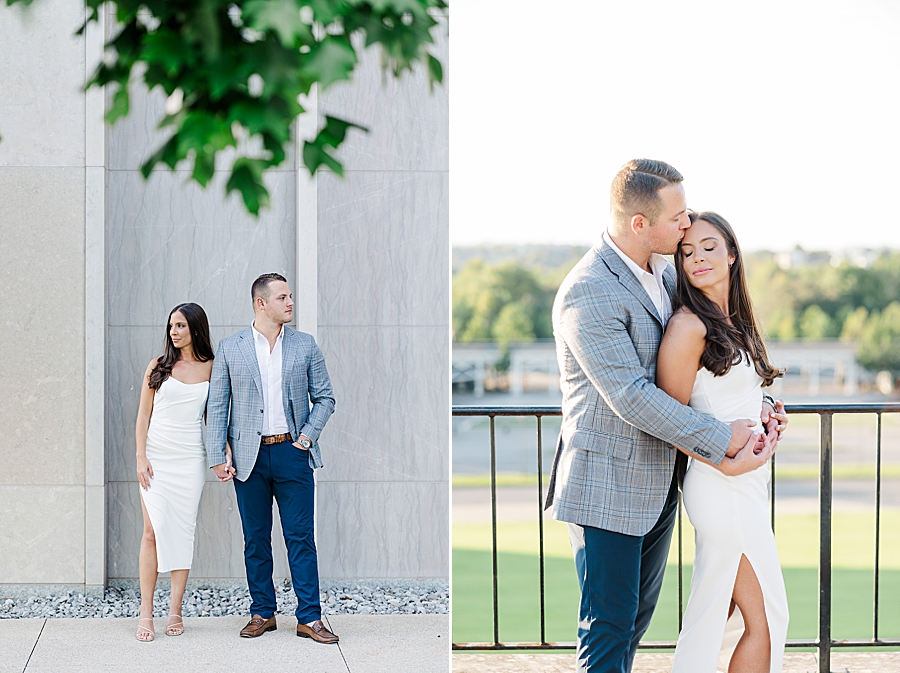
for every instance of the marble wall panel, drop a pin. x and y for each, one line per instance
(391, 419)
(134, 139)
(124, 526)
(218, 540)
(42, 325)
(130, 351)
(409, 126)
(43, 534)
(41, 101)
(384, 254)
(383, 530)
(131, 140)
(169, 241)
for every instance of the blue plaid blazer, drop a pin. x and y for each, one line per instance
(614, 460)
(235, 397)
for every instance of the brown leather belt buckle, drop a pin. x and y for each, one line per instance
(276, 439)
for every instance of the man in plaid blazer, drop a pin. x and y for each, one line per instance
(613, 473)
(263, 380)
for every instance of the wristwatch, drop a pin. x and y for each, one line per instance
(768, 398)
(306, 444)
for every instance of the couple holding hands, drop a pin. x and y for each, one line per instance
(654, 356)
(266, 397)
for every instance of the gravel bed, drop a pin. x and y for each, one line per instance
(208, 601)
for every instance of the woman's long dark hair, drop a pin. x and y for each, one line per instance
(726, 343)
(203, 350)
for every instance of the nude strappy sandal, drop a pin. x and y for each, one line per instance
(176, 628)
(144, 634)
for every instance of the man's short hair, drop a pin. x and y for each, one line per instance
(635, 189)
(260, 286)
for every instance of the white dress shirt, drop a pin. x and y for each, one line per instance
(651, 282)
(274, 421)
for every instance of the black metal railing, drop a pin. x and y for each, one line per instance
(823, 642)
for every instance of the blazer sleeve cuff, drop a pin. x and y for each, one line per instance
(310, 432)
(214, 459)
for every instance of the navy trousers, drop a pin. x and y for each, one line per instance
(620, 578)
(282, 471)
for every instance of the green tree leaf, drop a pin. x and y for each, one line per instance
(315, 152)
(330, 61)
(120, 105)
(281, 17)
(435, 71)
(246, 178)
(210, 49)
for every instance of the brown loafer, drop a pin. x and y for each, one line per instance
(258, 626)
(317, 631)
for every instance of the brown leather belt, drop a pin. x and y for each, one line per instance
(277, 439)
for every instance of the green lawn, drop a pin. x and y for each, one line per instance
(797, 535)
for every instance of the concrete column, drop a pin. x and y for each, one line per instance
(851, 375)
(813, 368)
(516, 373)
(479, 379)
(95, 320)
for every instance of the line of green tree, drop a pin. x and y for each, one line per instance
(509, 301)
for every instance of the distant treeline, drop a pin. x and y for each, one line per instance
(505, 293)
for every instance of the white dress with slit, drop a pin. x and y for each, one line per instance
(176, 454)
(730, 516)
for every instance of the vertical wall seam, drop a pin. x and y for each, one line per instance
(306, 261)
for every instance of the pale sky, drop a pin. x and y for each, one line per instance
(783, 116)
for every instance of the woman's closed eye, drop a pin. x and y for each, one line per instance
(687, 253)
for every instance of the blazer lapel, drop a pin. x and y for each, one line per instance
(628, 280)
(248, 350)
(669, 281)
(288, 355)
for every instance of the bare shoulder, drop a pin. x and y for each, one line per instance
(150, 367)
(686, 324)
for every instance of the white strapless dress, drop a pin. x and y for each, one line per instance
(175, 451)
(730, 516)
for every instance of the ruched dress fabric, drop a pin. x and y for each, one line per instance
(176, 454)
(730, 516)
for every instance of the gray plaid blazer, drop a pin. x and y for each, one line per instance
(235, 397)
(614, 463)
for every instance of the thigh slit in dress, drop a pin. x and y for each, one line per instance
(730, 516)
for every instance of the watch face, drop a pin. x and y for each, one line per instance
(305, 443)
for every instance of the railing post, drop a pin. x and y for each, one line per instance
(494, 531)
(877, 525)
(540, 484)
(825, 450)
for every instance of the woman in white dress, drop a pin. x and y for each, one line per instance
(171, 461)
(713, 358)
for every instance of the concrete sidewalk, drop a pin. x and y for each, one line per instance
(369, 644)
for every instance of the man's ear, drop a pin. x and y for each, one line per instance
(638, 222)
